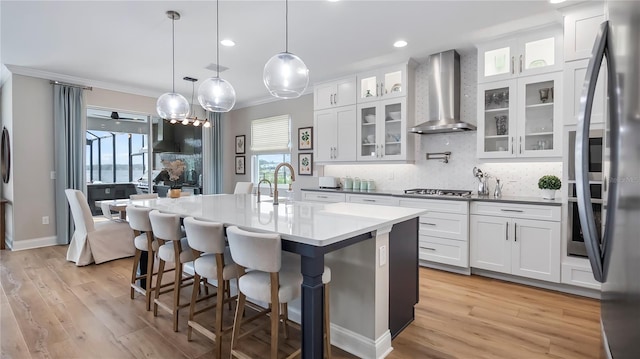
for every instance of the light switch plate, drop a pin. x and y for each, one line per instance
(383, 256)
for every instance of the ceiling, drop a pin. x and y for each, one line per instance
(126, 45)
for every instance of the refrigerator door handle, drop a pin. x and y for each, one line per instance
(583, 189)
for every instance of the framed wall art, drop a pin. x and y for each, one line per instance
(305, 138)
(240, 142)
(240, 168)
(305, 164)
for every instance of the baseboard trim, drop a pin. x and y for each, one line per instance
(445, 267)
(32, 243)
(559, 287)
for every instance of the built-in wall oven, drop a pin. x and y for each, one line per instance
(575, 239)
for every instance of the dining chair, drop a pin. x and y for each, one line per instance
(106, 210)
(212, 262)
(263, 278)
(96, 242)
(243, 187)
(173, 249)
(144, 242)
(144, 196)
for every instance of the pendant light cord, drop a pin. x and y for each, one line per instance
(217, 39)
(173, 53)
(286, 26)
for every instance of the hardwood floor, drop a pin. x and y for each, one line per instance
(49, 308)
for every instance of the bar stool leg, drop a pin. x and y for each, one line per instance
(284, 315)
(177, 284)
(136, 262)
(158, 287)
(237, 321)
(275, 315)
(150, 260)
(220, 297)
(192, 306)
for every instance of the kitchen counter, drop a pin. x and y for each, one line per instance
(474, 197)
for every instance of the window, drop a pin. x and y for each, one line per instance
(114, 157)
(270, 144)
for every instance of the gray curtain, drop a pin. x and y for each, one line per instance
(212, 138)
(69, 132)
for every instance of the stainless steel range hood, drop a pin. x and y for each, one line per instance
(164, 141)
(444, 96)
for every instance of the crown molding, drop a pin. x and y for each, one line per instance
(27, 71)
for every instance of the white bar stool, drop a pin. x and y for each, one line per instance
(144, 242)
(261, 277)
(173, 249)
(212, 261)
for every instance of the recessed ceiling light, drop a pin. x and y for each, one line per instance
(400, 43)
(556, 1)
(227, 42)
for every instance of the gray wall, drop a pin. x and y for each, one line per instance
(238, 122)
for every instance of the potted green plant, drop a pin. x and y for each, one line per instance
(549, 184)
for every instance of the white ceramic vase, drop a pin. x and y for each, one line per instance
(549, 193)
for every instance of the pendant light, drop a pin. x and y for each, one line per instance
(171, 105)
(216, 94)
(285, 74)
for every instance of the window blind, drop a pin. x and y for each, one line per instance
(271, 134)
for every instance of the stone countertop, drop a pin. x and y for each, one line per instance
(474, 197)
(313, 223)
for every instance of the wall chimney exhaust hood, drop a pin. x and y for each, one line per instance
(444, 96)
(164, 138)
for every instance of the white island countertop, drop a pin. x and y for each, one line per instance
(317, 224)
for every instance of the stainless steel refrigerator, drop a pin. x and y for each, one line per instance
(615, 258)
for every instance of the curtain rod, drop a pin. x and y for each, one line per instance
(72, 85)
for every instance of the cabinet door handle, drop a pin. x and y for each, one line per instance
(368, 200)
(428, 224)
(520, 63)
(520, 144)
(511, 145)
(506, 232)
(323, 197)
(515, 232)
(335, 98)
(429, 248)
(331, 99)
(335, 152)
(381, 150)
(513, 65)
(511, 210)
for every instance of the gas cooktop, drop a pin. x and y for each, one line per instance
(438, 192)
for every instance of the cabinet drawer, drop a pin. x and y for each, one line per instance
(578, 275)
(445, 225)
(379, 200)
(448, 206)
(322, 196)
(513, 210)
(444, 251)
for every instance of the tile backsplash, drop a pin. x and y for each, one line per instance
(519, 178)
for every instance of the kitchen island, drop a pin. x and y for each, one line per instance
(356, 241)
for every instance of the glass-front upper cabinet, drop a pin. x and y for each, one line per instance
(520, 118)
(540, 127)
(382, 129)
(497, 119)
(382, 84)
(527, 54)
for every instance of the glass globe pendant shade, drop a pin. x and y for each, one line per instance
(172, 106)
(216, 95)
(285, 75)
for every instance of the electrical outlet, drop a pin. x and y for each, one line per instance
(45, 220)
(383, 255)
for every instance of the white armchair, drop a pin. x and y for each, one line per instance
(96, 242)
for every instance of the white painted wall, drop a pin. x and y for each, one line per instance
(6, 115)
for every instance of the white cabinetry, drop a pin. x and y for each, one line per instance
(516, 239)
(383, 83)
(335, 93)
(322, 196)
(372, 199)
(335, 130)
(580, 30)
(528, 54)
(574, 76)
(382, 131)
(443, 232)
(520, 117)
